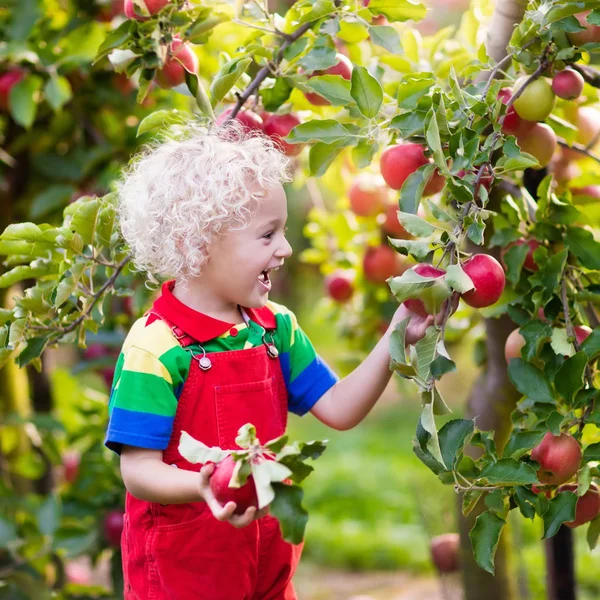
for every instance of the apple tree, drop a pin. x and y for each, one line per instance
(469, 171)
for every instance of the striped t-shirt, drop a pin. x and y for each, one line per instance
(152, 368)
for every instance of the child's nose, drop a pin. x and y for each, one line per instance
(285, 250)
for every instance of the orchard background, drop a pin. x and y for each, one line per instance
(478, 123)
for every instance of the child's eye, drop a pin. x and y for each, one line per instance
(269, 235)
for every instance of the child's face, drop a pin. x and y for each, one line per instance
(239, 264)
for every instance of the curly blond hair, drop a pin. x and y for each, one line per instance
(194, 183)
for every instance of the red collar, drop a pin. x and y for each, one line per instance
(198, 325)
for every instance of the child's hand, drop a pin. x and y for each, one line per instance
(225, 513)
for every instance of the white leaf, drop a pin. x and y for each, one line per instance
(196, 452)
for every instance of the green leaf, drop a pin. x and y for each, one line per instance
(334, 88)
(425, 350)
(159, 119)
(417, 248)
(288, 510)
(412, 189)
(327, 131)
(452, 438)
(415, 225)
(275, 96)
(197, 89)
(34, 348)
(319, 9)
(508, 471)
(115, 39)
(583, 245)
(413, 88)
(592, 452)
(458, 280)
(525, 500)
(536, 333)
(521, 442)
(591, 345)
(318, 59)
(196, 452)
(593, 533)
(322, 155)
(569, 378)
(366, 91)
(441, 365)
(435, 144)
(386, 37)
(22, 272)
(48, 515)
(398, 343)
(530, 381)
(428, 424)
(23, 101)
(485, 536)
(561, 510)
(514, 258)
(58, 91)
(398, 10)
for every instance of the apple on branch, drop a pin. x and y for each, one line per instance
(488, 279)
(536, 101)
(152, 6)
(559, 457)
(368, 195)
(587, 507)
(179, 60)
(278, 127)
(382, 262)
(339, 285)
(342, 67)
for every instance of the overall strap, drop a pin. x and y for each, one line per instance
(181, 336)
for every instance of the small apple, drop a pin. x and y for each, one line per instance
(514, 342)
(537, 100)
(113, 527)
(342, 67)
(540, 142)
(153, 6)
(368, 195)
(380, 263)
(512, 123)
(339, 286)
(559, 457)
(179, 60)
(487, 276)
(279, 126)
(250, 120)
(529, 264)
(432, 297)
(568, 84)
(587, 507)
(445, 552)
(7, 81)
(244, 497)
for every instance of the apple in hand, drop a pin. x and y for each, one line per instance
(342, 67)
(587, 507)
(433, 297)
(488, 279)
(244, 497)
(339, 286)
(537, 100)
(559, 457)
(445, 552)
(368, 195)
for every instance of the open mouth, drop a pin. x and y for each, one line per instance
(265, 278)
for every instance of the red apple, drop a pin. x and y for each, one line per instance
(279, 126)
(512, 123)
(433, 297)
(7, 81)
(581, 333)
(559, 457)
(540, 142)
(180, 59)
(244, 497)
(587, 507)
(536, 101)
(391, 226)
(514, 342)
(250, 120)
(339, 286)
(398, 162)
(153, 6)
(445, 552)
(529, 263)
(113, 527)
(367, 195)
(487, 276)
(591, 33)
(342, 67)
(380, 263)
(568, 84)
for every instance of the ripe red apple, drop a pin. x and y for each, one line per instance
(433, 297)
(368, 195)
(581, 333)
(568, 84)
(71, 462)
(380, 263)
(435, 184)
(445, 552)
(514, 342)
(540, 142)
(339, 285)
(153, 6)
(113, 527)
(587, 507)
(342, 67)
(7, 81)
(399, 161)
(537, 100)
(244, 497)
(279, 126)
(529, 263)
(591, 33)
(512, 123)
(180, 59)
(392, 226)
(559, 457)
(487, 276)
(250, 120)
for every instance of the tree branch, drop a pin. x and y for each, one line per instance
(589, 74)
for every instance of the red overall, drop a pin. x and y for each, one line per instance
(180, 551)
